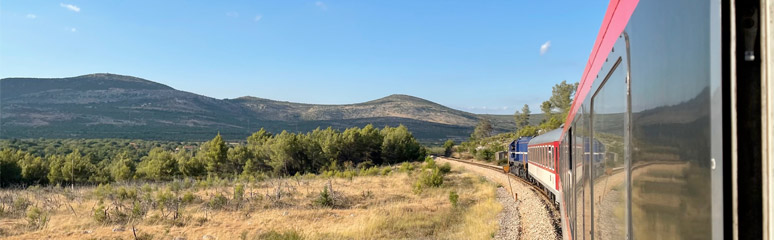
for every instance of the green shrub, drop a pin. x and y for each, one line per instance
(137, 210)
(325, 199)
(274, 235)
(36, 218)
(348, 174)
(124, 193)
(417, 189)
(20, 204)
(445, 168)
(188, 197)
(372, 171)
(239, 192)
(453, 197)
(386, 170)
(485, 154)
(100, 215)
(432, 178)
(218, 201)
(103, 191)
(429, 162)
(406, 167)
(175, 186)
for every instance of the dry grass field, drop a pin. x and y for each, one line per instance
(384, 204)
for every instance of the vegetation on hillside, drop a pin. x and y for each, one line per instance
(263, 153)
(482, 145)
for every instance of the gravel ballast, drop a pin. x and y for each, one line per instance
(534, 218)
(509, 217)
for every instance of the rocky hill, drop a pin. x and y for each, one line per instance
(109, 105)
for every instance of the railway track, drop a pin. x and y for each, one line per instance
(549, 205)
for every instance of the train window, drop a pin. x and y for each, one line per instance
(550, 158)
(608, 109)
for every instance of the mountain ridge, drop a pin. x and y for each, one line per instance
(100, 103)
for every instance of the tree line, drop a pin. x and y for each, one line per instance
(483, 145)
(286, 153)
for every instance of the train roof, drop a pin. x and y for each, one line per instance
(551, 136)
(616, 19)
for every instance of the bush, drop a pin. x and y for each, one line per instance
(445, 168)
(100, 215)
(432, 178)
(36, 218)
(274, 235)
(20, 204)
(123, 193)
(453, 197)
(372, 171)
(429, 178)
(417, 187)
(239, 192)
(429, 162)
(325, 199)
(188, 197)
(485, 154)
(137, 210)
(386, 171)
(218, 201)
(406, 167)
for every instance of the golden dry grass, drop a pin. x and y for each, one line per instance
(372, 207)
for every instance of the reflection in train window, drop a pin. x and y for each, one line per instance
(608, 109)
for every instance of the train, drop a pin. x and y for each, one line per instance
(671, 131)
(517, 156)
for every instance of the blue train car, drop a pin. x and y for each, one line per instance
(517, 155)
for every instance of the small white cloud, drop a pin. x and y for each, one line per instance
(70, 7)
(232, 14)
(31, 16)
(544, 48)
(321, 5)
(73, 30)
(258, 18)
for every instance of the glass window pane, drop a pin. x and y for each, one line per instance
(607, 157)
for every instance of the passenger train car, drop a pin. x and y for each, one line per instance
(542, 168)
(671, 132)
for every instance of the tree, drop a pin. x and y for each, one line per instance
(558, 105)
(562, 95)
(522, 118)
(483, 129)
(258, 138)
(330, 142)
(77, 168)
(55, 164)
(215, 155)
(158, 165)
(561, 99)
(527, 131)
(190, 166)
(123, 167)
(286, 154)
(34, 169)
(10, 171)
(371, 144)
(237, 157)
(447, 146)
(399, 145)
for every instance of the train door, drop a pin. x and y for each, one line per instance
(569, 191)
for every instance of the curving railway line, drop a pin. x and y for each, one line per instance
(548, 205)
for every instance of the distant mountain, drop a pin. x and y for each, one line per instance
(109, 105)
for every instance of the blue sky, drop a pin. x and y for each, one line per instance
(477, 56)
